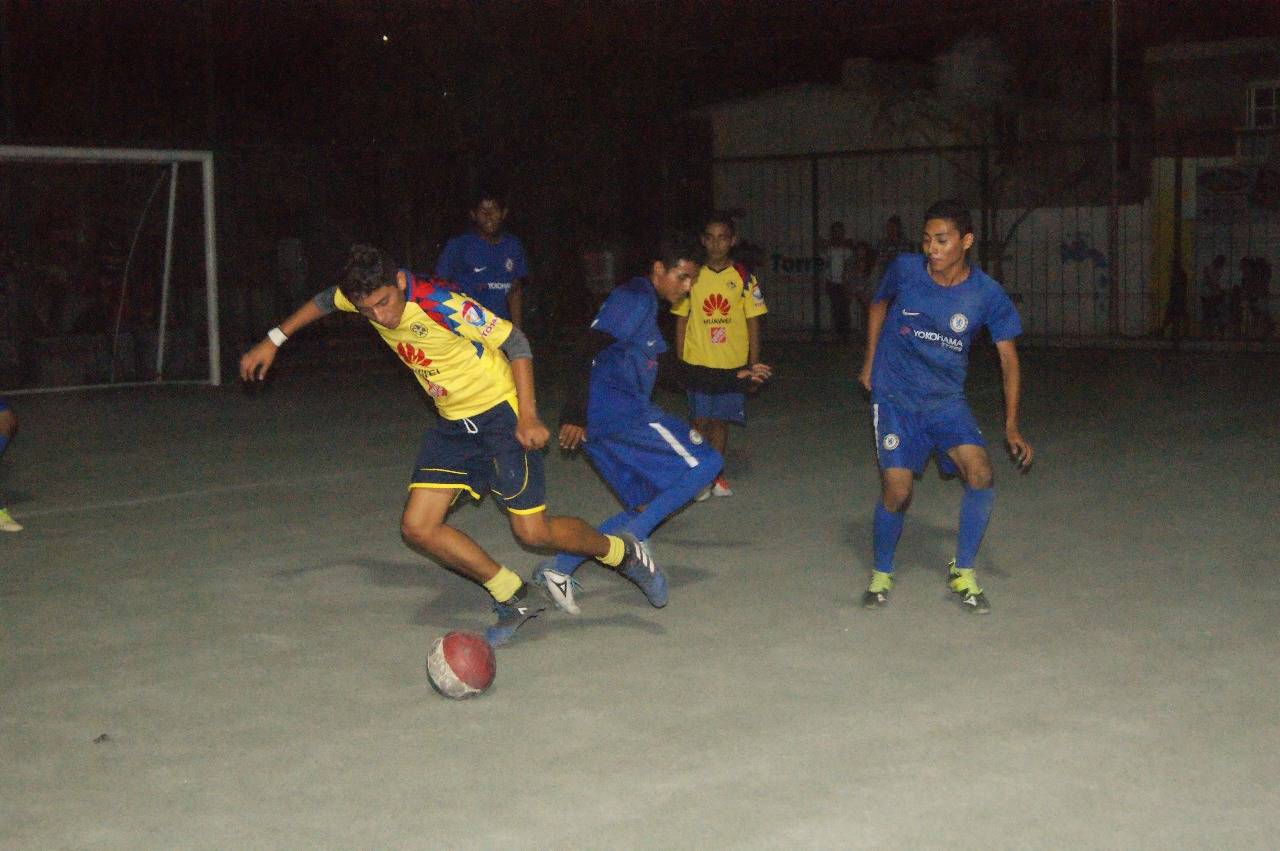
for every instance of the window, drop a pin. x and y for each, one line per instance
(1263, 104)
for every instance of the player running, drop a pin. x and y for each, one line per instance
(654, 462)
(478, 369)
(922, 322)
(8, 428)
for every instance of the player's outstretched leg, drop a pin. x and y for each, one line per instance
(423, 526)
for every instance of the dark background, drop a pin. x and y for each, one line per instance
(336, 122)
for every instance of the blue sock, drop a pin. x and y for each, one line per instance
(568, 563)
(886, 529)
(975, 512)
(672, 499)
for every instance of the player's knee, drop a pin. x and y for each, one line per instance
(532, 533)
(417, 531)
(8, 423)
(896, 499)
(979, 477)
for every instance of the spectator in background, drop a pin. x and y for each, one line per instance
(1257, 297)
(488, 263)
(892, 243)
(862, 278)
(1213, 298)
(836, 256)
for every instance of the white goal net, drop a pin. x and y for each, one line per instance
(108, 268)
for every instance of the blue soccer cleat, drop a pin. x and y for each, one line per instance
(638, 566)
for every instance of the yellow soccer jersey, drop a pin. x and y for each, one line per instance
(718, 306)
(451, 344)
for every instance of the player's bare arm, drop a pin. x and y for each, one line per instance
(530, 431)
(1011, 376)
(515, 302)
(875, 321)
(753, 339)
(257, 361)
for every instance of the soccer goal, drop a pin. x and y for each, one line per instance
(108, 268)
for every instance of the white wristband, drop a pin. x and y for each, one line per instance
(276, 336)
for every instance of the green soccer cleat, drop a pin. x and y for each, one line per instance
(877, 596)
(963, 582)
(7, 523)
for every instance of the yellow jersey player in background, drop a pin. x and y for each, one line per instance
(478, 369)
(717, 334)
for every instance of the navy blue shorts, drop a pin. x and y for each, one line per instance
(727, 407)
(906, 438)
(643, 461)
(480, 454)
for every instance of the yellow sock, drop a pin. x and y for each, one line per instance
(504, 585)
(617, 549)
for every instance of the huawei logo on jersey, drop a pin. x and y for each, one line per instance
(412, 356)
(715, 303)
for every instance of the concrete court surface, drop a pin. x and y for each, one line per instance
(215, 583)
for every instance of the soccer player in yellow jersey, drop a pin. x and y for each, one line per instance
(478, 369)
(717, 334)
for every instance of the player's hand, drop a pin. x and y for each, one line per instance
(256, 361)
(864, 377)
(531, 433)
(572, 436)
(759, 373)
(1019, 450)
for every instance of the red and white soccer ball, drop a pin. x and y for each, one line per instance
(461, 664)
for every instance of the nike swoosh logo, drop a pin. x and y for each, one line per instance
(906, 312)
(479, 268)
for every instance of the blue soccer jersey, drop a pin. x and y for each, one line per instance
(623, 375)
(484, 270)
(923, 353)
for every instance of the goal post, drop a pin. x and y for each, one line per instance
(174, 159)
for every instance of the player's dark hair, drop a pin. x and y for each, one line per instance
(367, 269)
(953, 210)
(677, 247)
(725, 219)
(486, 193)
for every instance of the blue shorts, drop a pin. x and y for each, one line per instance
(643, 461)
(906, 438)
(480, 454)
(727, 407)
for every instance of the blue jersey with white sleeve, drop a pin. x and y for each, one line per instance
(623, 375)
(922, 355)
(484, 270)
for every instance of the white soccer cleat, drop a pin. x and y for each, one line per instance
(559, 587)
(720, 487)
(7, 523)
